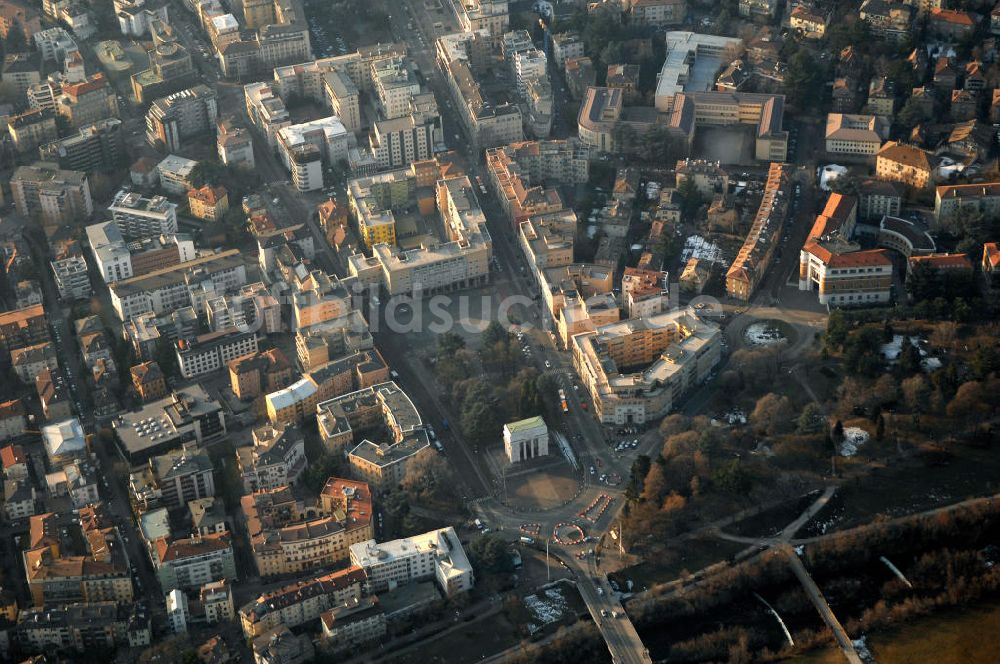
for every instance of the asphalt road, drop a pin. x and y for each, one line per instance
(147, 586)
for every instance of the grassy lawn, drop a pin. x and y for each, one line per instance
(910, 487)
(955, 637)
(691, 555)
(470, 644)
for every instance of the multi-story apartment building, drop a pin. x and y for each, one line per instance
(212, 351)
(13, 457)
(855, 134)
(173, 479)
(148, 381)
(353, 623)
(401, 141)
(394, 85)
(276, 458)
(193, 562)
(527, 65)
(87, 102)
(301, 602)
(55, 196)
(330, 140)
(344, 420)
(676, 350)
(658, 13)
(136, 16)
(521, 175)
(898, 162)
(175, 174)
(353, 371)
(461, 262)
(373, 199)
(69, 268)
(12, 425)
(950, 201)
(887, 19)
(280, 36)
(491, 16)
(208, 202)
(82, 627)
(565, 46)
(21, 70)
(234, 143)
(139, 217)
(878, 198)
(118, 259)
(436, 555)
(99, 574)
(811, 23)
(266, 110)
(179, 116)
(96, 147)
(55, 44)
(32, 128)
(286, 537)
(758, 9)
(279, 646)
(259, 373)
(757, 252)
(708, 177)
(53, 395)
(29, 361)
(174, 287)
(23, 327)
(487, 122)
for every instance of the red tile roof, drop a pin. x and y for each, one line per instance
(13, 408)
(952, 16)
(96, 82)
(208, 195)
(189, 548)
(870, 258)
(12, 455)
(944, 261)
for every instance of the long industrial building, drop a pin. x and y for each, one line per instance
(175, 287)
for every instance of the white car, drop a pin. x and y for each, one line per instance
(548, 365)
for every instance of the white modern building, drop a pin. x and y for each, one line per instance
(528, 65)
(55, 44)
(71, 277)
(177, 611)
(138, 217)
(395, 85)
(436, 555)
(526, 439)
(266, 110)
(134, 16)
(329, 136)
(212, 351)
(175, 174)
